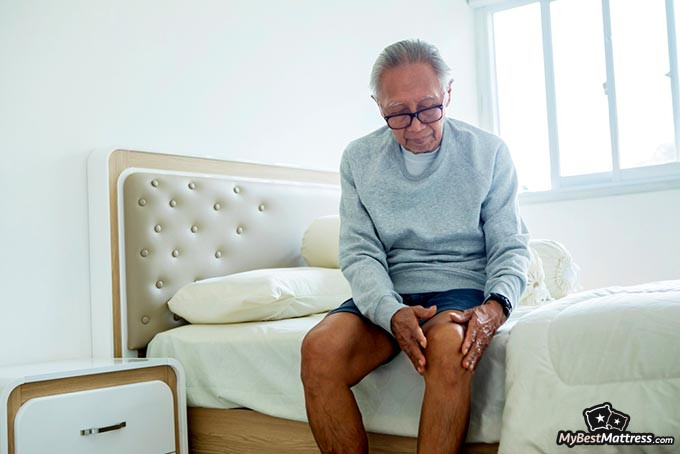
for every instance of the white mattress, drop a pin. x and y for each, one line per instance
(257, 366)
(619, 345)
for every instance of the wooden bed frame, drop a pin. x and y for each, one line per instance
(231, 430)
(213, 431)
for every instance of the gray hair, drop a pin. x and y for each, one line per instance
(409, 51)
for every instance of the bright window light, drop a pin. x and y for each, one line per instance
(580, 75)
(584, 90)
(643, 90)
(521, 96)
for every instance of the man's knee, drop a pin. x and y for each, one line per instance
(443, 353)
(445, 335)
(319, 353)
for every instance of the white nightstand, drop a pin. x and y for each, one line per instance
(94, 406)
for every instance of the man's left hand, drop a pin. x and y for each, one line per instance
(482, 322)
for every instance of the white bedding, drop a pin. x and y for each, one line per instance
(619, 345)
(257, 365)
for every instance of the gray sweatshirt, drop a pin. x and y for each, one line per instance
(456, 225)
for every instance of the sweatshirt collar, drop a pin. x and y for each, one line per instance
(444, 149)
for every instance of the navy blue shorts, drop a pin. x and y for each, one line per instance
(459, 299)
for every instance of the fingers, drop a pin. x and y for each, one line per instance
(416, 356)
(420, 336)
(461, 317)
(422, 313)
(470, 337)
(411, 342)
(471, 331)
(472, 344)
(410, 337)
(471, 360)
(477, 339)
(481, 326)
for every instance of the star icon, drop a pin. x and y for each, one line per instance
(617, 420)
(600, 418)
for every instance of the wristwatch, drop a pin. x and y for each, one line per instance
(504, 302)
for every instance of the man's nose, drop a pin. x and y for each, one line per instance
(416, 125)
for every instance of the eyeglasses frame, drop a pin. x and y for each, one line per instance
(415, 114)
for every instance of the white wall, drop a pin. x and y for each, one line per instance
(269, 81)
(616, 240)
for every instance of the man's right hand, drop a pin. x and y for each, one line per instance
(410, 336)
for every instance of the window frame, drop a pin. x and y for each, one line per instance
(618, 180)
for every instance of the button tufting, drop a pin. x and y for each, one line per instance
(157, 228)
(173, 203)
(237, 189)
(217, 206)
(142, 202)
(192, 185)
(175, 253)
(146, 319)
(261, 207)
(194, 228)
(144, 252)
(159, 284)
(154, 183)
(218, 254)
(239, 230)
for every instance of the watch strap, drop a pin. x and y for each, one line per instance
(504, 302)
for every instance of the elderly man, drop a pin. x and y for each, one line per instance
(435, 251)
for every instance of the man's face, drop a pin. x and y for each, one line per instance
(407, 89)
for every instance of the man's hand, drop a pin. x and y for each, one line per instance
(482, 323)
(407, 331)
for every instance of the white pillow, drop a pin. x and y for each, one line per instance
(561, 273)
(320, 243)
(265, 294)
(536, 291)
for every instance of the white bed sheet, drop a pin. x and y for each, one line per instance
(257, 366)
(619, 345)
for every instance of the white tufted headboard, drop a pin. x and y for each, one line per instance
(175, 219)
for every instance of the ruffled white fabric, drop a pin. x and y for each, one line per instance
(561, 273)
(536, 292)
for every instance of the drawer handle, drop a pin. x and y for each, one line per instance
(98, 430)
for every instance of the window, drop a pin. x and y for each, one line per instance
(584, 92)
(522, 121)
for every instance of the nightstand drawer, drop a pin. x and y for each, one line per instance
(134, 418)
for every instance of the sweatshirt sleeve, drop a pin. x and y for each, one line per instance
(362, 256)
(505, 234)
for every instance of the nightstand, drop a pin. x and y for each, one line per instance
(94, 406)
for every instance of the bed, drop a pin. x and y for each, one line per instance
(619, 345)
(171, 220)
(222, 361)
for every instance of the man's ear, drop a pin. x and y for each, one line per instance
(448, 92)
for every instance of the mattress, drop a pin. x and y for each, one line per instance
(257, 366)
(616, 349)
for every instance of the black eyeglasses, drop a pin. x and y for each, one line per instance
(425, 116)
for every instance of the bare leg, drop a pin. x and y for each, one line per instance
(336, 354)
(446, 404)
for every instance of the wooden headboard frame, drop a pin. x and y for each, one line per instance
(105, 167)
